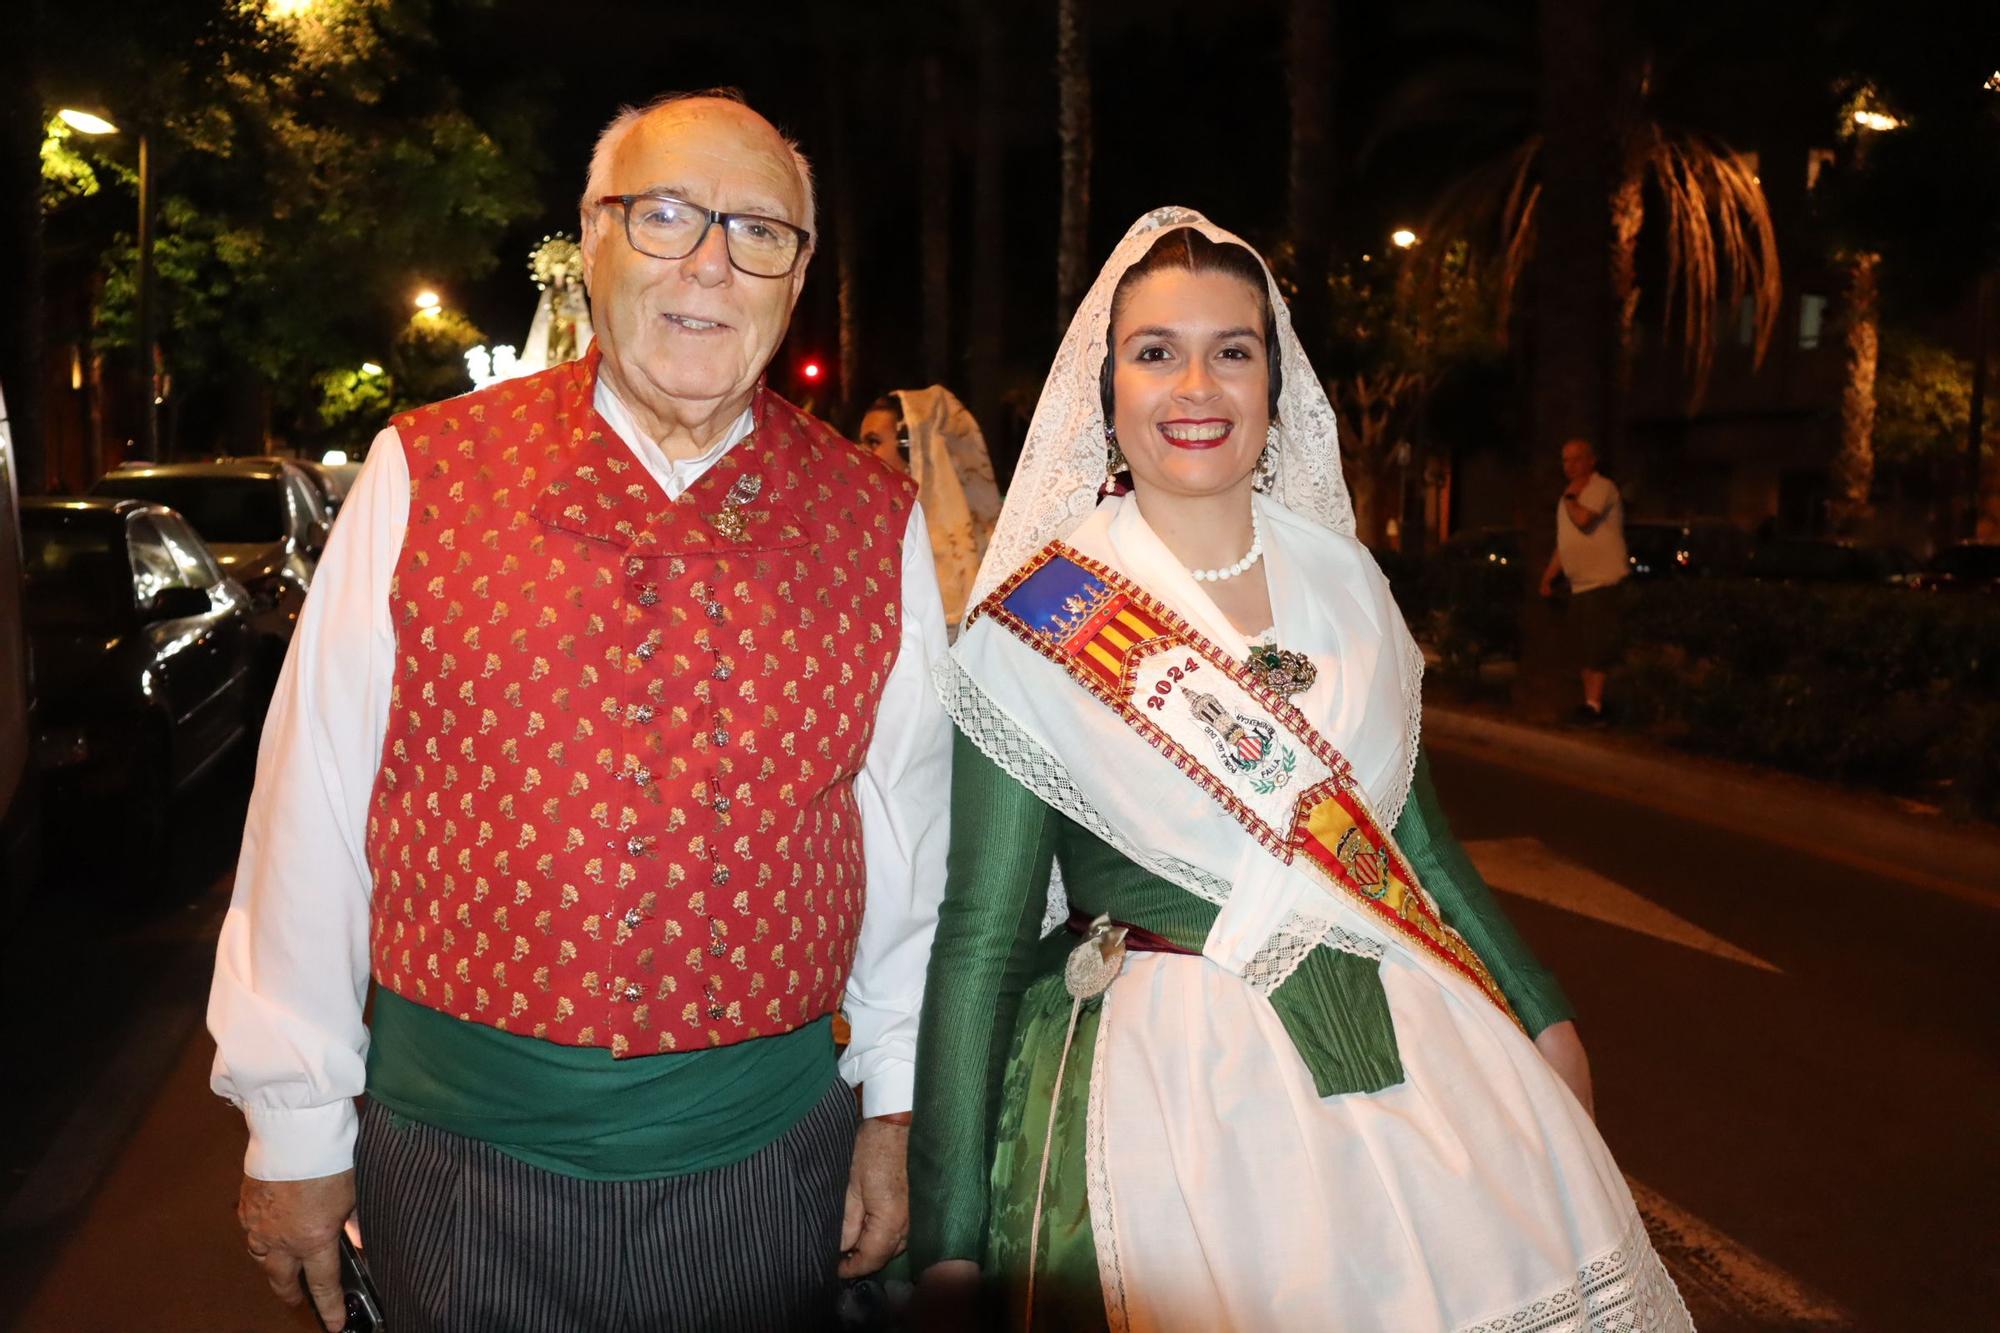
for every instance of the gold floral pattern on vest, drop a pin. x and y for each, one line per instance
(615, 805)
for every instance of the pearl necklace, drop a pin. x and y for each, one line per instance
(1250, 558)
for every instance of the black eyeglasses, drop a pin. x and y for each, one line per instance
(668, 228)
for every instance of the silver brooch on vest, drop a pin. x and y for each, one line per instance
(730, 520)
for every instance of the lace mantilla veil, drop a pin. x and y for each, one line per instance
(1062, 464)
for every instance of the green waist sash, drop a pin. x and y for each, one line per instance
(576, 1111)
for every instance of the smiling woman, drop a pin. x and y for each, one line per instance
(1299, 1072)
(1190, 393)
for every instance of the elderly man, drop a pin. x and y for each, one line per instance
(610, 701)
(1590, 552)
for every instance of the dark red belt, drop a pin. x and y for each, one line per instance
(1137, 938)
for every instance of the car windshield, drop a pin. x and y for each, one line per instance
(221, 508)
(77, 577)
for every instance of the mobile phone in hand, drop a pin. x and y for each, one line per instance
(364, 1307)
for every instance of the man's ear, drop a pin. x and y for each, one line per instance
(587, 241)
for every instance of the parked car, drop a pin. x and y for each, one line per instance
(1966, 567)
(1496, 546)
(1826, 560)
(326, 487)
(1688, 548)
(145, 657)
(261, 520)
(20, 793)
(1468, 596)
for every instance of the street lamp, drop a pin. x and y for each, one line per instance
(428, 303)
(1402, 238)
(1878, 121)
(85, 122)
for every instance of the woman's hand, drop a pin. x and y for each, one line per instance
(1563, 1049)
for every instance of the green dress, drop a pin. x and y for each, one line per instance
(996, 1012)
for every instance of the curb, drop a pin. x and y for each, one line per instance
(1864, 832)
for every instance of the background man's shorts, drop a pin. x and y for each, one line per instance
(1597, 627)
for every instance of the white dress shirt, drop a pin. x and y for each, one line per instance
(292, 963)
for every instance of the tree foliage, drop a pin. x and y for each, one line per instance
(1394, 331)
(312, 172)
(1923, 401)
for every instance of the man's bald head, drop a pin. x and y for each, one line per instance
(707, 103)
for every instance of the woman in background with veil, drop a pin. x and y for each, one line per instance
(929, 434)
(1289, 1066)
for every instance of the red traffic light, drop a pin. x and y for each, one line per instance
(810, 370)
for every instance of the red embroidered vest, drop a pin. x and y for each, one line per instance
(615, 806)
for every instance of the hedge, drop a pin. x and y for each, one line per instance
(1882, 686)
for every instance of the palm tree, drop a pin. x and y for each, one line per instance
(1309, 74)
(934, 213)
(1719, 241)
(1073, 127)
(1578, 168)
(989, 232)
(1854, 465)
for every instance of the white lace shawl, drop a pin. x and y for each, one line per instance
(955, 486)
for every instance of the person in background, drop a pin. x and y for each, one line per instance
(929, 434)
(1590, 553)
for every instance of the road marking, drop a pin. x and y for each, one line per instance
(1728, 1273)
(1527, 868)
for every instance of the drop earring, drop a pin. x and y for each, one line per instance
(1114, 460)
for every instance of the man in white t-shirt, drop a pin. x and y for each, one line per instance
(1590, 552)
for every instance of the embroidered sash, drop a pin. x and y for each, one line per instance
(1248, 748)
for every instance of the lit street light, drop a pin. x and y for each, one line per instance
(1402, 238)
(370, 369)
(85, 122)
(1876, 120)
(429, 303)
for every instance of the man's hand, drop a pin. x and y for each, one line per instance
(1563, 1049)
(878, 1198)
(293, 1226)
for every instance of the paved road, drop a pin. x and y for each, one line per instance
(1794, 1065)
(1807, 1103)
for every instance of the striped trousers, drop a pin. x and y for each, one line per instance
(460, 1236)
